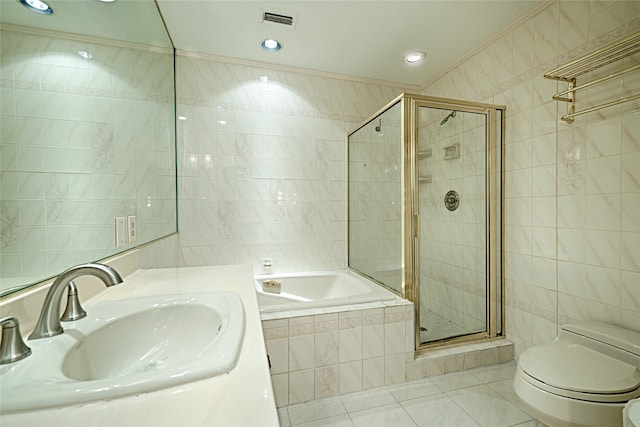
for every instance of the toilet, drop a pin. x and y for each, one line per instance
(583, 378)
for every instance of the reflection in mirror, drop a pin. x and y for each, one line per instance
(87, 135)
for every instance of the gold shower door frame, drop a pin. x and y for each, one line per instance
(410, 220)
(411, 104)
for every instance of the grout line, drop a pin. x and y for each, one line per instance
(426, 381)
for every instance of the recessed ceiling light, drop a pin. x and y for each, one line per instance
(107, 1)
(264, 79)
(271, 45)
(37, 6)
(415, 57)
(85, 54)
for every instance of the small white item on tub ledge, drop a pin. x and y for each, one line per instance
(271, 286)
(266, 266)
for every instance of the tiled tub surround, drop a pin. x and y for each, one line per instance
(242, 397)
(328, 351)
(572, 191)
(325, 352)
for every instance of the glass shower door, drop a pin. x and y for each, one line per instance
(452, 231)
(375, 155)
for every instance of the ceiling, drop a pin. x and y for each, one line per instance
(355, 38)
(362, 39)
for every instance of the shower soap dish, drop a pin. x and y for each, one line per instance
(271, 286)
(452, 151)
(423, 154)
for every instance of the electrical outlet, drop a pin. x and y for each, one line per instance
(132, 228)
(121, 231)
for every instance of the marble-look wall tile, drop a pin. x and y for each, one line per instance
(394, 337)
(278, 350)
(571, 190)
(301, 352)
(271, 155)
(373, 344)
(394, 368)
(373, 372)
(350, 344)
(326, 348)
(350, 377)
(326, 381)
(345, 349)
(301, 386)
(630, 290)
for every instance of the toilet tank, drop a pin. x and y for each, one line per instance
(615, 341)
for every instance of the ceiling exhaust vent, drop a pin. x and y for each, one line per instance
(277, 18)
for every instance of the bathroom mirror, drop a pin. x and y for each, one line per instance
(87, 135)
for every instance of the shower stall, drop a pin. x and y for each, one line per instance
(424, 212)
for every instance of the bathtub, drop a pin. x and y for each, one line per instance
(321, 289)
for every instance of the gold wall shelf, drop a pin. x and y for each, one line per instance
(605, 55)
(423, 154)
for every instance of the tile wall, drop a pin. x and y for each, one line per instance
(572, 191)
(262, 164)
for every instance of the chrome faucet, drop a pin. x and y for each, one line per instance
(48, 324)
(74, 310)
(12, 346)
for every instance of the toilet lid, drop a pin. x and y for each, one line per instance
(578, 368)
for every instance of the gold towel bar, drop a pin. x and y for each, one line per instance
(605, 55)
(600, 107)
(558, 95)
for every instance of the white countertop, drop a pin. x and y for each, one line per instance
(243, 397)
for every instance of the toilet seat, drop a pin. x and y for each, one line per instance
(578, 372)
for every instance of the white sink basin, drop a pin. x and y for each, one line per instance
(128, 347)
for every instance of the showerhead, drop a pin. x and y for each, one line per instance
(446, 119)
(379, 127)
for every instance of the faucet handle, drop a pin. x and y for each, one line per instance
(74, 310)
(12, 346)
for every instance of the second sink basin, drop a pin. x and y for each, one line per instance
(128, 347)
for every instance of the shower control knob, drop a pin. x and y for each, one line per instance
(452, 200)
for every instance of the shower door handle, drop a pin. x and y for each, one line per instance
(416, 221)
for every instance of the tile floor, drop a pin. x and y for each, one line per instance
(477, 397)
